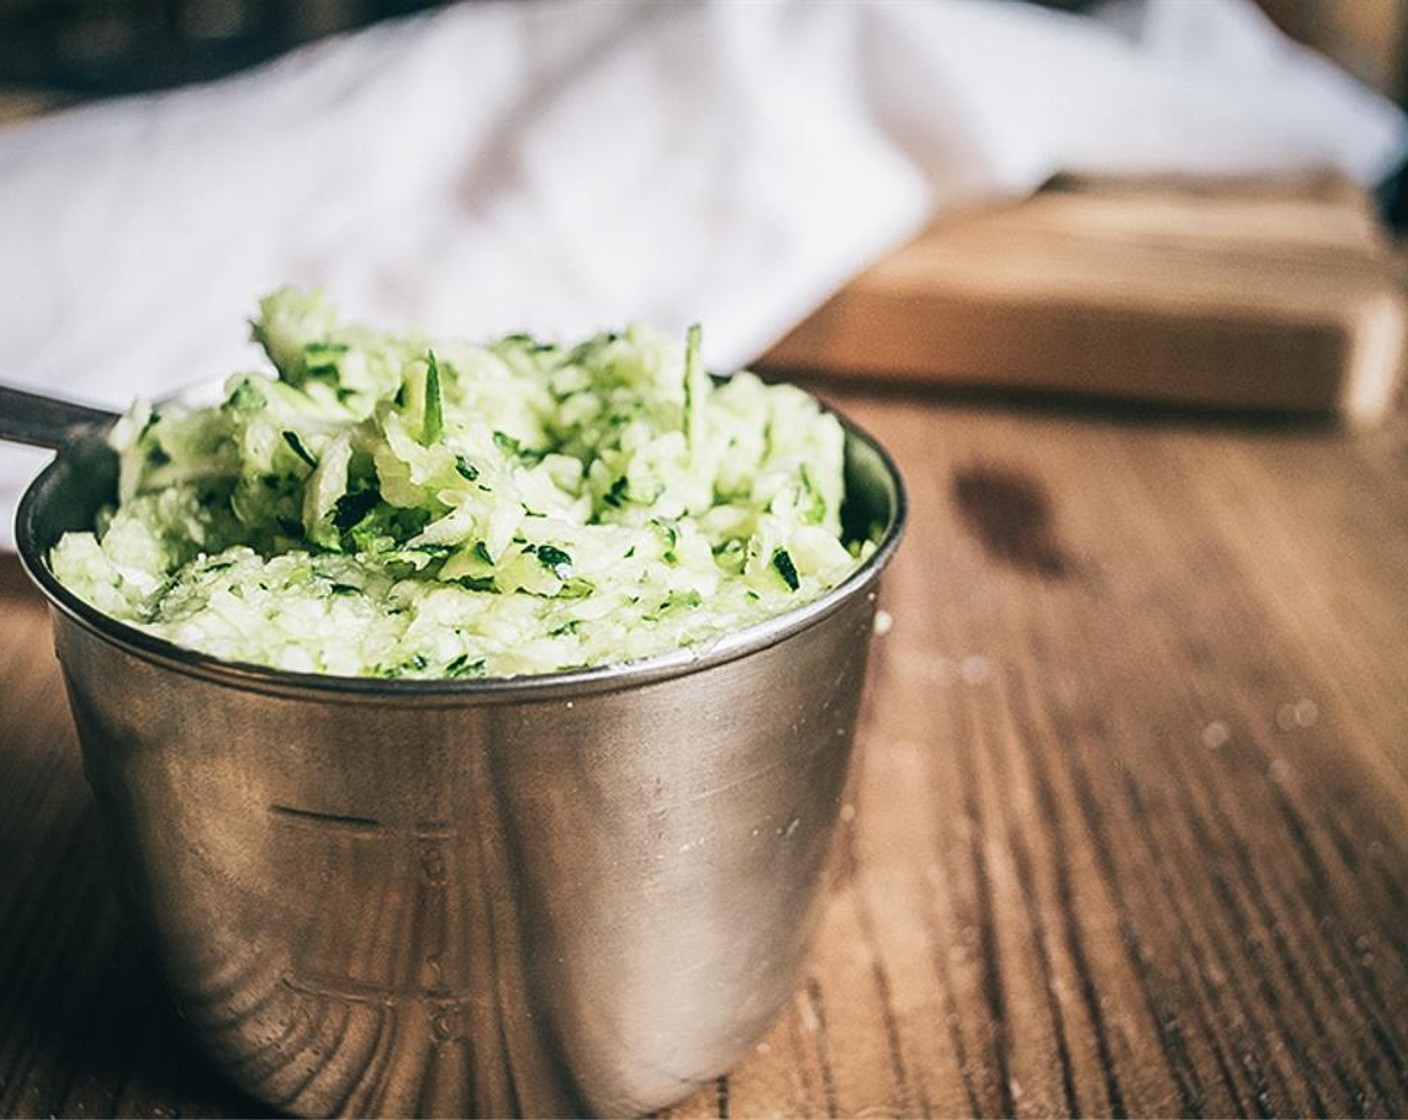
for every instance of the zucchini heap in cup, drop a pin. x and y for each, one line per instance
(389, 506)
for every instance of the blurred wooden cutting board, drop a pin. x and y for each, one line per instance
(1243, 296)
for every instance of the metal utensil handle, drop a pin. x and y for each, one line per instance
(42, 421)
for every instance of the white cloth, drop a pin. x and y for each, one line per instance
(560, 167)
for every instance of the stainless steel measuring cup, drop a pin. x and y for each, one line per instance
(585, 892)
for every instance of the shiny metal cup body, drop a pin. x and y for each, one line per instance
(587, 892)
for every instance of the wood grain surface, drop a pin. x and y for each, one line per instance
(1129, 829)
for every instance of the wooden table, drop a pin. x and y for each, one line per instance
(1130, 827)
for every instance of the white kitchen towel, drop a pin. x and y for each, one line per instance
(559, 167)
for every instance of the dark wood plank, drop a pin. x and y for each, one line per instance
(1127, 834)
(1132, 781)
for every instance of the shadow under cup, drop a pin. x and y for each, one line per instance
(586, 892)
